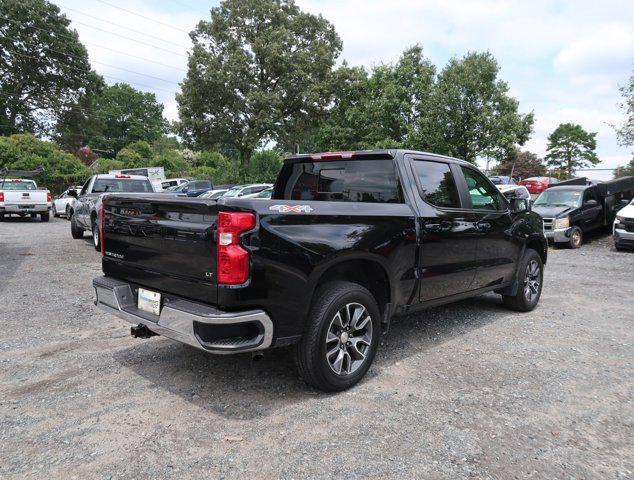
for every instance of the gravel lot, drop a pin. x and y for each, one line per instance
(464, 391)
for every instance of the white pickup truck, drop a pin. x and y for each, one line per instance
(21, 197)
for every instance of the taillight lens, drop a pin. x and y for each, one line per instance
(1, 196)
(49, 197)
(232, 259)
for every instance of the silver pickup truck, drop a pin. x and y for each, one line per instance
(22, 197)
(84, 209)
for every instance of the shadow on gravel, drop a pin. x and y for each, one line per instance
(235, 386)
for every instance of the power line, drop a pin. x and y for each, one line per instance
(105, 48)
(123, 26)
(131, 12)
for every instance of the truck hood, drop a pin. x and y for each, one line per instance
(627, 211)
(545, 211)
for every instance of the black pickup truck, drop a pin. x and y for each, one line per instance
(574, 207)
(347, 241)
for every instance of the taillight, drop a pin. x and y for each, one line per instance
(331, 155)
(232, 259)
(49, 197)
(101, 220)
(1, 196)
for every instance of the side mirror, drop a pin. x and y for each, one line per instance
(241, 194)
(185, 190)
(520, 205)
(73, 193)
(591, 203)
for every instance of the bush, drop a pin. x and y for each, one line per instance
(26, 152)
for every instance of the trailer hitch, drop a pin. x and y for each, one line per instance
(141, 331)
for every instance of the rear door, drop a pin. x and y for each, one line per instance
(497, 250)
(447, 236)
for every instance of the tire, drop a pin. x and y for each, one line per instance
(75, 231)
(55, 214)
(67, 211)
(1, 217)
(333, 309)
(576, 238)
(33, 215)
(96, 236)
(530, 276)
(45, 217)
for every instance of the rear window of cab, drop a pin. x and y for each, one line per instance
(369, 181)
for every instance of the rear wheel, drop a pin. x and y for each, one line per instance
(45, 217)
(340, 338)
(529, 283)
(75, 231)
(576, 238)
(96, 238)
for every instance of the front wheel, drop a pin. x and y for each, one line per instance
(530, 277)
(340, 337)
(576, 238)
(67, 211)
(55, 214)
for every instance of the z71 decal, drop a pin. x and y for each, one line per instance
(291, 208)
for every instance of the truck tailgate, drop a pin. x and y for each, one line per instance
(161, 242)
(25, 197)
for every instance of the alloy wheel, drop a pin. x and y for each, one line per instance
(348, 339)
(532, 280)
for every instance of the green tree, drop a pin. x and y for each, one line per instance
(105, 165)
(112, 118)
(625, 171)
(259, 71)
(264, 166)
(44, 67)
(136, 155)
(470, 114)
(625, 133)
(26, 152)
(522, 165)
(378, 110)
(571, 147)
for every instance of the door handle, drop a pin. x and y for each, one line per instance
(483, 226)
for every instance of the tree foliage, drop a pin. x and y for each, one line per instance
(625, 133)
(259, 71)
(44, 67)
(522, 165)
(26, 152)
(112, 118)
(571, 147)
(625, 171)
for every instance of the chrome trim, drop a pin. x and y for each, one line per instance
(177, 317)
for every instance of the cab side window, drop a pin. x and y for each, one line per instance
(436, 183)
(590, 194)
(484, 196)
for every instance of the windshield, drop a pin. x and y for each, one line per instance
(559, 198)
(17, 185)
(110, 185)
(232, 192)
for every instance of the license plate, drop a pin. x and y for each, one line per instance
(149, 301)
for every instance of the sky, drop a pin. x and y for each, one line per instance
(563, 60)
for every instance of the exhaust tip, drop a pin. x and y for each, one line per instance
(257, 356)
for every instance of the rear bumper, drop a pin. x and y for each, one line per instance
(198, 325)
(23, 209)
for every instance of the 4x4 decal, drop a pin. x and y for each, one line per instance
(291, 208)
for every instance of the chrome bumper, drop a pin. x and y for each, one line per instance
(17, 208)
(561, 235)
(188, 322)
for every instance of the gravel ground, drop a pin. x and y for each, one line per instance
(469, 390)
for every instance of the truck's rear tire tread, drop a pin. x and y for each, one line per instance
(45, 217)
(307, 353)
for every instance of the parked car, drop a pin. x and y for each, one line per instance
(193, 188)
(173, 182)
(61, 204)
(502, 180)
(22, 197)
(265, 193)
(575, 207)
(86, 206)
(536, 185)
(386, 232)
(623, 227)
(213, 194)
(247, 191)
